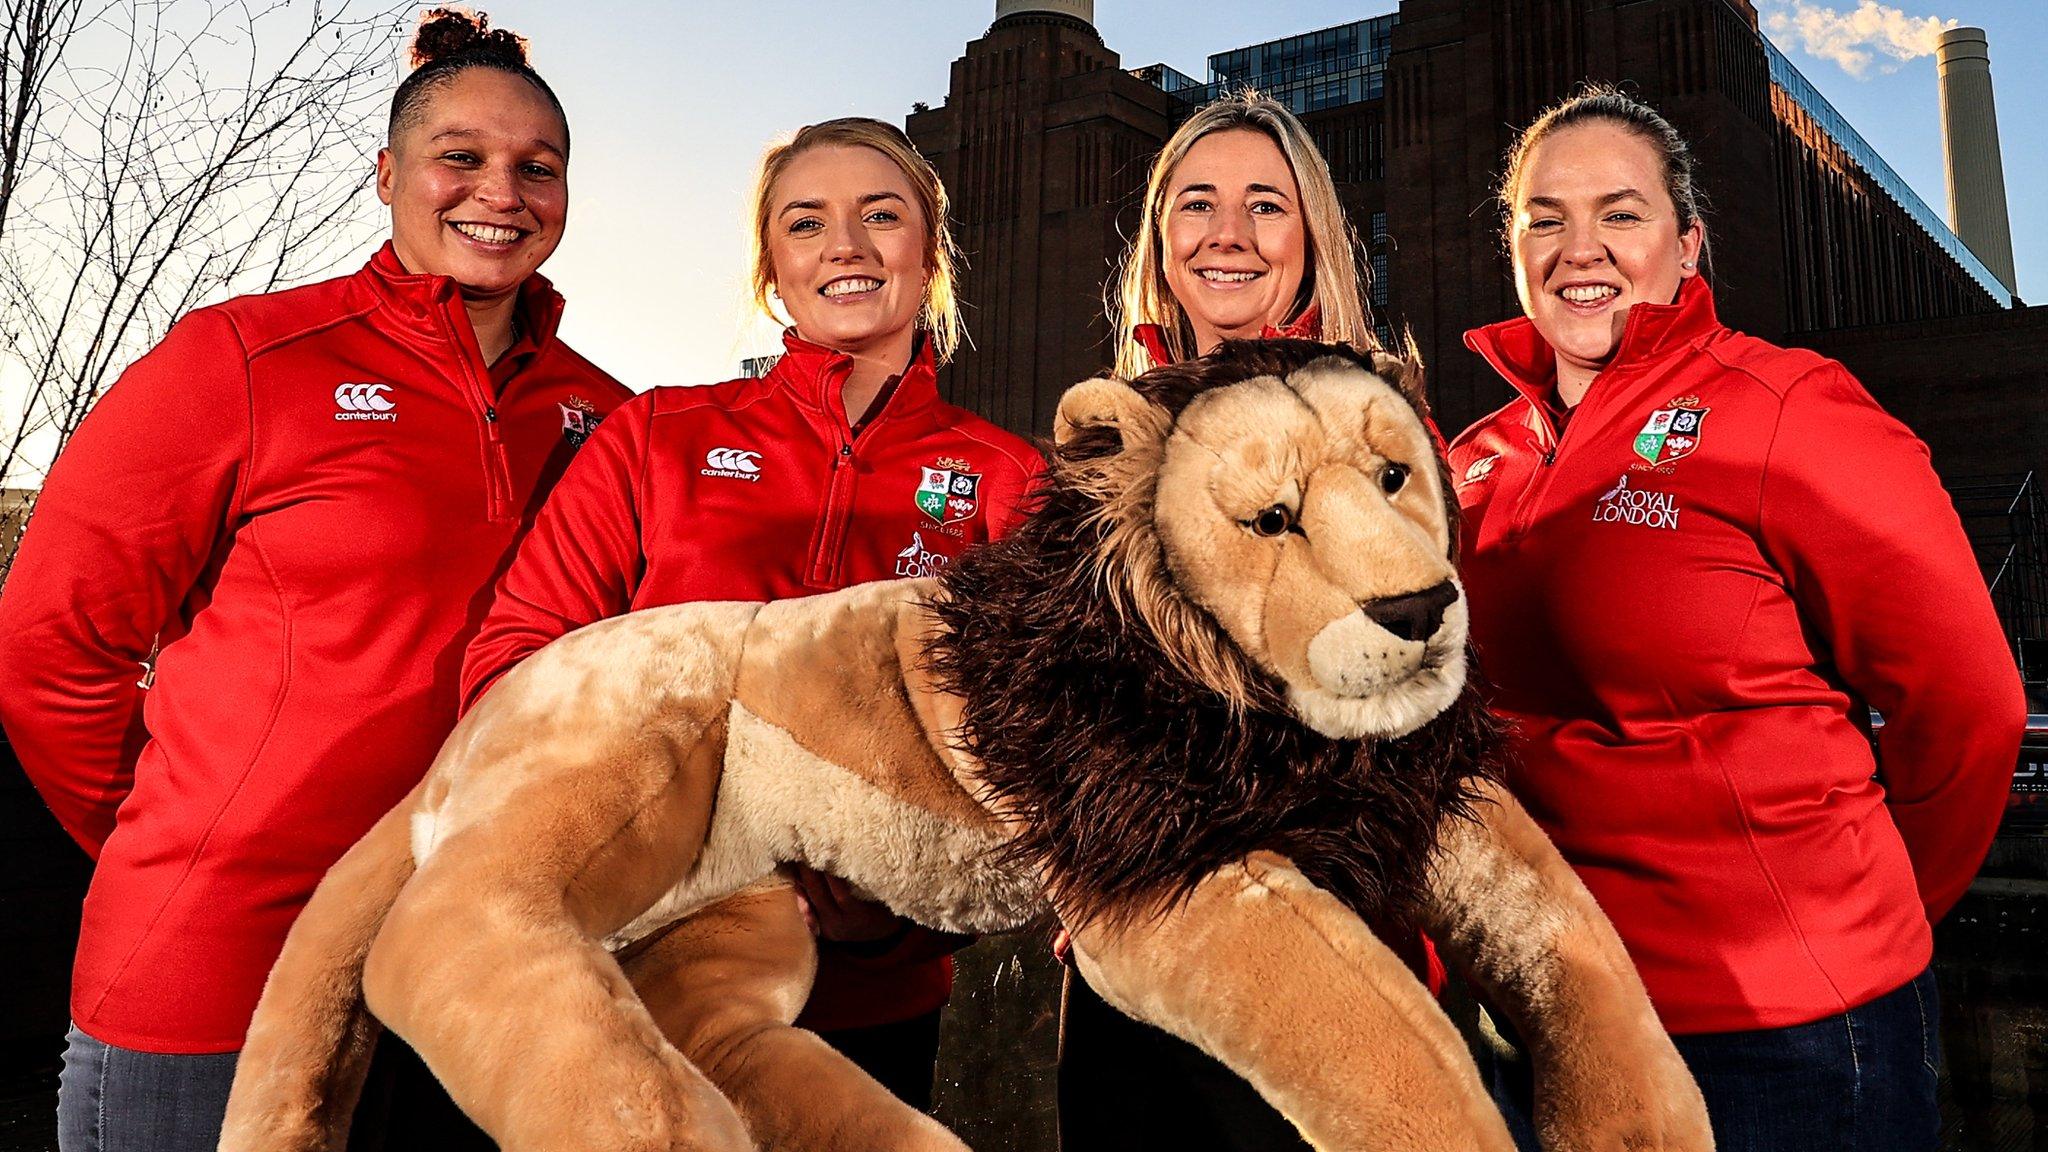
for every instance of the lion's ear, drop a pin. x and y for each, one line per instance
(1403, 369)
(1106, 404)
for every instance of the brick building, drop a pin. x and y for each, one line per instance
(1044, 139)
(1042, 143)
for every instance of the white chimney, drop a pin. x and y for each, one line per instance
(1082, 10)
(1969, 130)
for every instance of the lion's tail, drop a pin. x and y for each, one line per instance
(308, 1051)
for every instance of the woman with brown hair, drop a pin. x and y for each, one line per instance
(1696, 563)
(230, 639)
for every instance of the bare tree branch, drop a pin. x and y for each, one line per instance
(156, 155)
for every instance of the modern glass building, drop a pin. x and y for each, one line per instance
(1329, 68)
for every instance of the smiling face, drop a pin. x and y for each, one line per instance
(847, 243)
(478, 183)
(1594, 232)
(1236, 247)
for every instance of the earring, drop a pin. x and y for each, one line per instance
(1688, 265)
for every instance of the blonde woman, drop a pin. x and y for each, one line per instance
(818, 476)
(1243, 237)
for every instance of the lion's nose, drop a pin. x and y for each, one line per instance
(1415, 616)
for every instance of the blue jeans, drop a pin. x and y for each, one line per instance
(1862, 1081)
(116, 1100)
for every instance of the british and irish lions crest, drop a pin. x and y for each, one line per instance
(1672, 433)
(948, 495)
(579, 420)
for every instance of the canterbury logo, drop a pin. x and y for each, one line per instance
(364, 402)
(732, 464)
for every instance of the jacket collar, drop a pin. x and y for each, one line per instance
(1307, 326)
(420, 300)
(816, 376)
(1524, 359)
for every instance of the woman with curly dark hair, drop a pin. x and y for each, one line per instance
(231, 637)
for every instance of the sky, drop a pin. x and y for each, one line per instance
(671, 104)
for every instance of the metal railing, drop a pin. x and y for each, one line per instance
(2003, 517)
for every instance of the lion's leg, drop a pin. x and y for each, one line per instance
(302, 1067)
(489, 963)
(1280, 981)
(1512, 915)
(725, 986)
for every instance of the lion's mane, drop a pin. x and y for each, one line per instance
(1140, 748)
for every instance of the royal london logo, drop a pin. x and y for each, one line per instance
(1622, 504)
(732, 464)
(579, 420)
(365, 401)
(919, 562)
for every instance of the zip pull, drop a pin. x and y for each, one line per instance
(490, 413)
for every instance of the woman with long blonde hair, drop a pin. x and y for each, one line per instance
(1243, 237)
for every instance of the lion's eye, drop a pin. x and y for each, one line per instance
(1393, 478)
(1273, 521)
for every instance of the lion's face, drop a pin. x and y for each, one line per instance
(1305, 515)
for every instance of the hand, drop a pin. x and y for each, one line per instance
(834, 912)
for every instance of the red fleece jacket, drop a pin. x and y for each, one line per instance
(760, 490)
(1686, 602)
(302, 497)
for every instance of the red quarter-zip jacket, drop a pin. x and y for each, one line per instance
(760, 490)
(304, 497)
(1686, 601)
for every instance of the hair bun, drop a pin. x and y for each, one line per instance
(446, 33)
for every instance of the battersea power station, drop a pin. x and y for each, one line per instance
(1045, 136)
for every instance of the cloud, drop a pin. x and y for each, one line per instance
(1855, 39)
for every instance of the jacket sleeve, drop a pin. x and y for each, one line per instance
(579, 564)
(1873, 553)
(1009, 506)
(913, 944)
(131, 515)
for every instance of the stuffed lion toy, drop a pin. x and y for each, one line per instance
(1208, 708)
